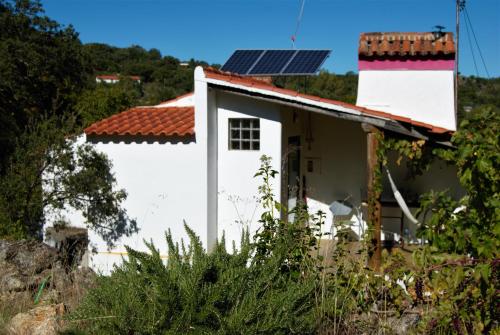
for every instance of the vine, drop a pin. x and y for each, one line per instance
(458, 268)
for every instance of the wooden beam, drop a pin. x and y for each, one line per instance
(374, 206)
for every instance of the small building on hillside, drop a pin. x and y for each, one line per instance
(193, 159)
(114, 78)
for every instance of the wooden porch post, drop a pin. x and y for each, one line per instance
(374, 206)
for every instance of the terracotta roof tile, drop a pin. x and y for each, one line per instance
(406, 44)
(147, 121)
(213, 73)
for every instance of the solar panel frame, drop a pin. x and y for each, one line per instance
(276, 62)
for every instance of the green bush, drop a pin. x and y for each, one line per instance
(199, 292)
(275, 284)
(461, 261)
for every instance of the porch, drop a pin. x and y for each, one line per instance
(325, 165)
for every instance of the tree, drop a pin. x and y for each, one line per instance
(470, 225)
(460, 263)
(49, 172)
(42, 68)
(107, 99)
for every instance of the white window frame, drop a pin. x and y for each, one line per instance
(237, 142)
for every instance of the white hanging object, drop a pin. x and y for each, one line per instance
(399, 199)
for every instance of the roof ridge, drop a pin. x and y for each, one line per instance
(382, 44)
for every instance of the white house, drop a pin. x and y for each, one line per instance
(114, 78)
(192, 159)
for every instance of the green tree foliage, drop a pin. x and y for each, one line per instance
(49, 172)
(458, 268)
(471, 225)
(163, 77)
(42, 69)
(326, 85)
(106, 99)
(476, 92)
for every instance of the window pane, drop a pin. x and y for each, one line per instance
(235, 123)
(235, 145)
(235, 134)
(244, 134)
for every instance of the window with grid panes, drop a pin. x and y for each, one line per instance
(244, 134)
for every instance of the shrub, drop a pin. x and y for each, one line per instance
(275, 284)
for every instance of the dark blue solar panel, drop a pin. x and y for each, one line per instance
(275, 62)
(306, 62)
(241, 61)
(272, 62)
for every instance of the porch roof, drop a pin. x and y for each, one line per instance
(256, 87)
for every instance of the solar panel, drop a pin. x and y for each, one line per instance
(241, 61)
(272, 62)
(275, 62)
(307, 61)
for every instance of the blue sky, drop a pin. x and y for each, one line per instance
(211, 30)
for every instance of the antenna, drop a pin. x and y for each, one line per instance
(438, 32)
(299, 20)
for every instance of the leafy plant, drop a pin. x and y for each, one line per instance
(275, 284)
(49, 172)
(470, 225)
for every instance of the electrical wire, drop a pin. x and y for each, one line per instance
(475, 39)
(471, 47)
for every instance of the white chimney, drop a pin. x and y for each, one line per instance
(409, 75)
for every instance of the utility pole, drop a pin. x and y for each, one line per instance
(460, 4)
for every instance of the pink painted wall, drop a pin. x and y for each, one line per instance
(417, 64)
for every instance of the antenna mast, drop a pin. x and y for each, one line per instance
(299, 20)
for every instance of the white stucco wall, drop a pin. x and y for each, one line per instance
(162, 181)
(425, 96)
(237, 188)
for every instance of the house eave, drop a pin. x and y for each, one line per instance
(339, 112)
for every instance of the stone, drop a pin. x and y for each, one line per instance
(11, 281)
(42, 320)
(84, 277)
(29, 257)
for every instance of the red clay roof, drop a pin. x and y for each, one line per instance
(147, 121)
(406, 44)
(250, 82)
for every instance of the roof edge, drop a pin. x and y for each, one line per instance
(217, 76)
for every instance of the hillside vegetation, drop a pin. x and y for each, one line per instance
(277, 283)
